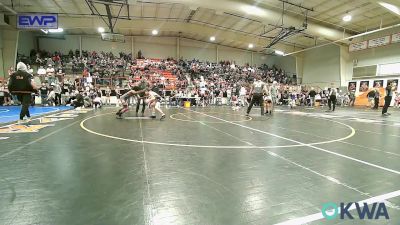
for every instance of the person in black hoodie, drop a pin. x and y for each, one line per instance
(22, 85)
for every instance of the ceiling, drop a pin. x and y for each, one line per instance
(234, 23)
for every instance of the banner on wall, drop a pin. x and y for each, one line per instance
(363, 87)
(361, 95)
(358, 46)
(352, 86)
(37, 21)
(379, 42)
(395, 83)
(112, 37)
(376, 42)
(378, 84)
(396, 38)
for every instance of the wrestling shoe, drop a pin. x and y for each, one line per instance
(162, 117)
(153, 117)
(119, 115)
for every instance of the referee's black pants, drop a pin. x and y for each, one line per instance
(25, 100)
(332, 102)
(138, 105)
(256, 98)
(388, 99)
(376, 103)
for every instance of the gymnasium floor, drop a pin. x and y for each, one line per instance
(199, 166)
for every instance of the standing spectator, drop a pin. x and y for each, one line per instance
(57, 91)
(371, 98)
(44, 91)
(274, 93)
(312, 95)
(21, 83)
(6, 95)
(352, 97)
(388, 99)
(51, 97)
(10, 71)
(108, 96)
(397, 101)
(332, 99)
(242, 94)
(376, 98)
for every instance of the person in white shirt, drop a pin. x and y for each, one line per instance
(50, 70)
(274, 92)
(41, 71)
(242, 95)
(108, 95)
(97, 102)
(154, 104)
(203, 89)
(51, 97)
(29, 69)
(268, 105)
(257, 90)
(332, 98)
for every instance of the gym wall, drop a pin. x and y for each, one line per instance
(151, 47)
(322, 66)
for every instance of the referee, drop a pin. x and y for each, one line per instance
(22, 85)
(257, 90)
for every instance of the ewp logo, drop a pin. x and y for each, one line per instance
(37, 21)
(377, 211)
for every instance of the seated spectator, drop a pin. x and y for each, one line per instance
(41, 71)
(50, 70)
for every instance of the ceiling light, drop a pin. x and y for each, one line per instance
(212, 38)
(100, 30)
(154, 32)
(251, 46)
(347, 18)
(279, 52)
(390, 7)
(253, 10)
(58, 30)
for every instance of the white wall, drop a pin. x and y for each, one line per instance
(9, 43)
(287, 63)
(321, 66)
(26, 42)
(259, 59)
(151, 47)
(94, 43)
(2, 75)
(156, 47)
(70, 42)
(240, 57)
(380, 55)
(191, 49)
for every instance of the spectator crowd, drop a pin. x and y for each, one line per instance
(96, 76)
